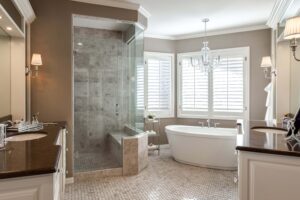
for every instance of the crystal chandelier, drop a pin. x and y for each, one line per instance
(207, 62)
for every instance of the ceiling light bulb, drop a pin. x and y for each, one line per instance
(0, 17)
(9, 28)
(79, 44)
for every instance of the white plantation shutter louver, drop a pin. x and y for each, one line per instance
(140, 88)
(228, 85)
(194, 88)
(159, 84)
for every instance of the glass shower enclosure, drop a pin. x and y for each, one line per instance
(106, 63)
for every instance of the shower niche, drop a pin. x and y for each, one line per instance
(107, 54)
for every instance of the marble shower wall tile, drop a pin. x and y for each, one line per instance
(101, 87)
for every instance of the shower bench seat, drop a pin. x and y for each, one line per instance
(118, 135)
(131, 150)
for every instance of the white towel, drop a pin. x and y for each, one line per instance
(269, 102)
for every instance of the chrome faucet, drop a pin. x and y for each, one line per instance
(201, 123)
(208, 123)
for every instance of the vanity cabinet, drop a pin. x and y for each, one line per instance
(38, 187)
(268, 177)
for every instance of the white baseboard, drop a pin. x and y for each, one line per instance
(70, 180)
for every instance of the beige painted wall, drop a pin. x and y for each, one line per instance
(159, 45)
(288, 82)
(5, 74)
(18, 79)
(51, 35)
(283, 59)
(260, 45)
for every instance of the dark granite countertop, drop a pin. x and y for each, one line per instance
(262, 142)
(34, 157)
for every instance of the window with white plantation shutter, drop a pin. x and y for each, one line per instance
(228, 85)
(194, 88)
(219, 93)
(159, 84)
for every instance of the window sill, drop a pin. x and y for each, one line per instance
(187, 116)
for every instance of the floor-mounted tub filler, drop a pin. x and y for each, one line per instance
(205, 147)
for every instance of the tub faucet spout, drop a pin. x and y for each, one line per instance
(208, 123)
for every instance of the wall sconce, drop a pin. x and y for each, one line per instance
(292, 32)
(266, 64)
(36, 61)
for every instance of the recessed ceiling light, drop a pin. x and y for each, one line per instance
(9, 28)
(0, 17)
(79, 44)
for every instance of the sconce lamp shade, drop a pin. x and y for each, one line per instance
(266, 62)
(292, 28)
(36, 60)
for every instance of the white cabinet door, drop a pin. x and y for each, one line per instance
(24, 194)
(27, 188)
(268, 177)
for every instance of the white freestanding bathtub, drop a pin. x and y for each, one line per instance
(205, 147)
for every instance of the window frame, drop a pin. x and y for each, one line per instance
(241, 51)
(160, 114)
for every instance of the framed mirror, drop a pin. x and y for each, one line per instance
(5, 75)
(295, 83)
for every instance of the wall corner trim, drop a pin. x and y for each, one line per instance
(278, 12)
(26, 10)
(144, 12)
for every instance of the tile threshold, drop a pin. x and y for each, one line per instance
(94, 175)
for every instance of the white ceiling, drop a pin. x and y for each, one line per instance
(179, 18)
(182, 18)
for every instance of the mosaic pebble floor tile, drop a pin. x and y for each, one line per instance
(164, 179)
(95, 161)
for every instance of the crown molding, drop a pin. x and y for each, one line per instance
(278, 12)
(112, 3)
(211, 33)
(118, 4)
(163, 37)
(26, 10)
